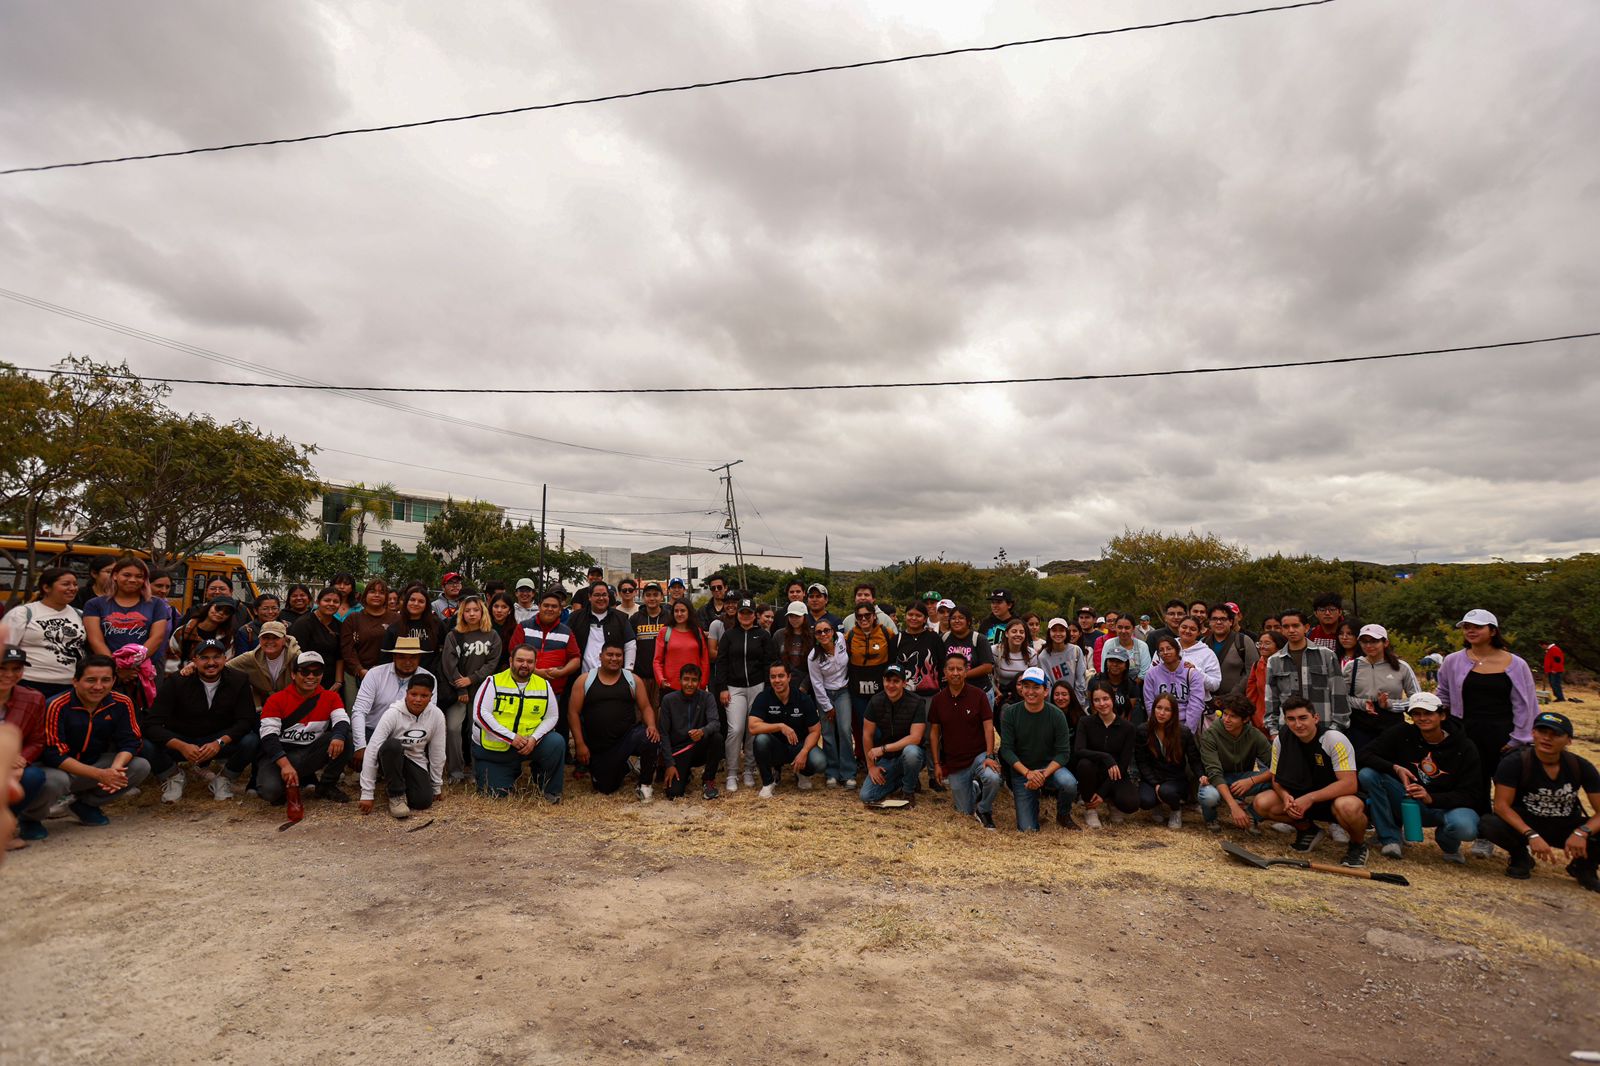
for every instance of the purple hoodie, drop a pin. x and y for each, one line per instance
(1187, 686)
(1524, 701)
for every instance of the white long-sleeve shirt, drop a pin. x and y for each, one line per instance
(421, 738)
(828, 675)
(1205, 660)
(379, 690)
(483, 719)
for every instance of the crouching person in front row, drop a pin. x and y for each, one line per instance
(1314, 780)
(305, 734)
(514, 722)
(409, 743)
(199, 718)
(788, 732)
(92, 742)
(892, 739)
(691, 735)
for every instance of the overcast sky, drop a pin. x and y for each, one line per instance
(1356, 178)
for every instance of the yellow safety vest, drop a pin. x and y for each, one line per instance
(520, 712)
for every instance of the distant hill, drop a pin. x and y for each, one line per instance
(653, 565)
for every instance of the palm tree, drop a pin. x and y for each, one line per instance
(363, 505)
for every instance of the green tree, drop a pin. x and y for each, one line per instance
(194, 482)
(288, 558)
(474, 539)
(1140, 569)
(399, 567)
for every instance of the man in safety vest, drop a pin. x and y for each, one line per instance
(513, 722)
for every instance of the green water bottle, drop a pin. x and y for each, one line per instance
(1411, 820)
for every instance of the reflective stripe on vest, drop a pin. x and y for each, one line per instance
(517, 712)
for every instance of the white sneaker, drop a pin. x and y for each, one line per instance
(398, 807)
(644, 793)
(850, 782)
(221, 787)
(766, 792)
(730, 785)
(1338, 833)
(832, 782)
(1092, 819)
(803, 782)
(749, 779)
(172, 791)
(1175, 820)
(1282, 827)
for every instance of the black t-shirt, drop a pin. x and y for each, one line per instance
(894, 720)
(921, 656)
(608, 712)
(994, 627)
(309, 632)
(1541, 796)
(645, 632)
(799, 713)
(977, 653)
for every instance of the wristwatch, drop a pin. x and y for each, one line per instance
(1582, 831)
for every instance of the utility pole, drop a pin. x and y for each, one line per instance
(544, 498)
(732, 522)
(1355, 593)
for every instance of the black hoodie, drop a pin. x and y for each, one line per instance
(1449, 770)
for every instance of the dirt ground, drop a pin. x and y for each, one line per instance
(738, 931)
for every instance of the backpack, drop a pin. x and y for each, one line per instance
(1569, 763)
(589, 680)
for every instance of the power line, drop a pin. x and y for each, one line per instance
(1341, 360)
(637, 93)
(287, 379)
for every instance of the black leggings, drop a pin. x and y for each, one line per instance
(1171, 793)
(1094, 781)
(1488, 735)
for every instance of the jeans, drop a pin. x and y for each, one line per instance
(1211, 797)
(1027, 799)
(87, 790)
(737, 738)
(308, 760)
(1556, 690)
(973, 787)
(838, 743)
(773, 753)
(403, 777)
(902, 772)
(240, 753)
(1452, 827)
(496, 772)
(455, 759)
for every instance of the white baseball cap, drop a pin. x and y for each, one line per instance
(1034, 674)
(1479, 617)
(947, 604)
(1425, 701)
(1062, 622)
(1376, 632)
(796, 608)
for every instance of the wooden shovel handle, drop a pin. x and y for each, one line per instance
(1342, 871)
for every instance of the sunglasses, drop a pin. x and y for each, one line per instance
(312, 669)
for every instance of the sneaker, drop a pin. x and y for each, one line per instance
(172, 791)
(1215, 826)
(1281, 827)
(61, 808)
(1392, 851)
(1338, 833)
(1585, 878)
(1064, 818)
(1091, 819)
(1254, 829)
(28, 829)
(710, 791)
(221, 787)
(804, 782)
(1520, 870)
(1175, 820)
(1117, 817)
(731, 785)
(1307, 839)
(934, 786)
(644, 792)
(87, 814)
(1355, 856)
(1484, 849)
(832, 782)
(849, 782)
(333, 794)
(398, 807)
(766, 791)
(977, 816)
(986, 820)
(749, 779)
(1455, 857)
(457, 776)
(552, 799)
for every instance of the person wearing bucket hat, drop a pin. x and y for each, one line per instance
(1537, 810)
(1035, 749)
(1490, 691)
(383, 685)
(1380, 685)
(1422, 762)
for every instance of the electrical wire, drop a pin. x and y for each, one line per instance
(1126, 375)
(661, 90)
(287, 379)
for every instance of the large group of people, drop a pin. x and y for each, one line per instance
(1312, 727)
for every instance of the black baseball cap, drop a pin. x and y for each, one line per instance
(1000, 594)
(1556, 723)
(648, 585)
(895, 670)
(211, 645)
(14, 655)
(747, 605)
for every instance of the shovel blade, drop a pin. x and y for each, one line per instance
(1245, 855)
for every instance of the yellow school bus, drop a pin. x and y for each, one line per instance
(189, 576)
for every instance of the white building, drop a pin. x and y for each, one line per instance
(616, 562)
(696, 567)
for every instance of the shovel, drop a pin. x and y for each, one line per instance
(1244, 855)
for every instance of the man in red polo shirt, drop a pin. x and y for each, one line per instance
(963, 743)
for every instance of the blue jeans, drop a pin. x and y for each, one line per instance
(1452, 827)
(974, 787)
(1556, 690)
(902, 772)
(496, 772)
(1211, 798)
(1027, 799)
(838, 744)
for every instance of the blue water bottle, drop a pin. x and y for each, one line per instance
(1411, 820)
